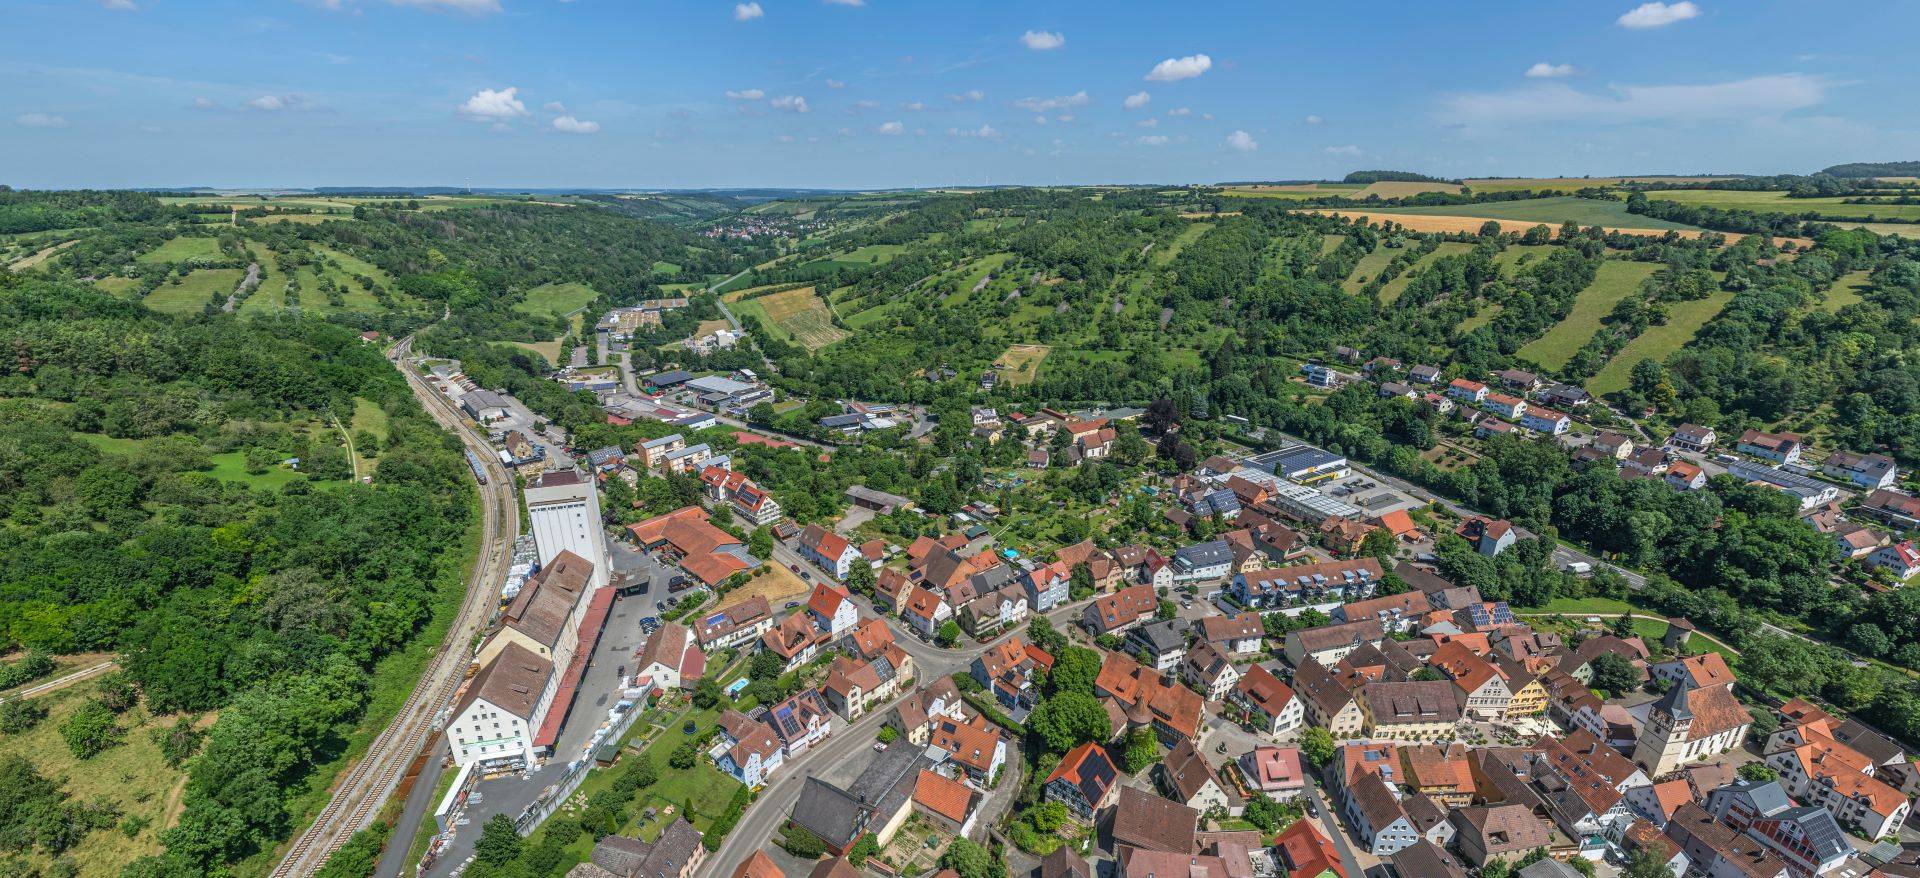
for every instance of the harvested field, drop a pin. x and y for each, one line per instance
(1615, 281)
(1403, 190)
(1469, 224)
(1659, 341)
(798, 314)
(1569, 184)
(1020, 364)
(1778, 202)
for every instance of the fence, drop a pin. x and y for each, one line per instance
(554, 796)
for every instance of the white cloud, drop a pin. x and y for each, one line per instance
(119, 5)
(575, 126)
(1149, 122)
(1242, 141)
(1039, 120)
(488, 104)
(204, 103)
(41, 120)
(1180, 111)
(1045, 105)
(846, 2)
(1543, 70)
(1743, 99)
(266, 102)
(794, 103)
(984, 132)
(1043, 40)
(1657, 14)
(1153, 140)
(747, 11)
(1065, 117)
(1176, 69)
(1207, 116)
(1314, 120)
(554, 107)
(1348, 150)
(835, 83)
(968, 95)
(746, 94)
(470, 7)
(913, 107)
(1136, 100)
(891, 128)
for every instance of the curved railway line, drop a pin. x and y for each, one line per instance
(365, 787)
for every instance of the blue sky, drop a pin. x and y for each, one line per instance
(874, 93)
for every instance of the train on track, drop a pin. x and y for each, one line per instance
(479, 470)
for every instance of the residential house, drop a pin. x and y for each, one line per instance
(1007, 670)
(1342, 535)
(1509, 407)
(801, 721)
(833, 610)
(1894, 508)
(1209, 669)
(1379, 821)
(1188, 779)
(1143, 821)
(1515, 379)
(754, 504)
(1427, 860)
(1239, 635)
(1901, 560)
(1276, 771)
(677, 853)
(974, 745)
(749, 751)
(1714, 849)
(1301, 851)
(1117, 612)
(1395, 613)
(1467, 391)
(948, 803)
(1161, 641)
(994, 611)
(1424, 374)
(1047, 585)
(1326, 702)
(915, 714)
(1693, 437)
(1871, 471)
(830, 550)
(1203, 561)
(1614, 445)
(1509, 831)
(1816, 768)
(1566, 396)
(1331, 643)
(1685, 476)
(795, 639)
(1270, 704)
(1545, 420)
(1278, 587)
(1085, 781)
(925, 609)
(1481, 690)
(1442, 774)
(734, 624)
(671, 658)
(1695, 671)
(854, 684)
(1856, 541)
(1488, 536)
(1781, 448)
(1584, 783)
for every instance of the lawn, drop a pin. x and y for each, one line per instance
(131, 776)
(797, 314)
(1488, 311)
(1552, 211)
(1658, 341)
(1517, 256)
(372, 419)
(194, 291)
(1369, 266)
(875, 314)
(666, 268)
(272, 294)
(1845, 291)
(1615, 281)
(872, 254)
(182, 249)
(1778, 202)
(232, 467)
(1393, 289)
(1020, 364)
(976, 273)
(556, 299)
(1578, 606)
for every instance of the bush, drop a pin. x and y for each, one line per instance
(28, 669)
(18, 717)
(888, 734)
(179, 743)
(802, 843)
(117, 692)
(90, 730)
(723, 824)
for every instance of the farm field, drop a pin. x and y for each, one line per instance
(271, 296)
(182, 249)
(1551, 211)
(1845, 291)
(556, 300)
(1369, 266)
(1901, 230)
(1659, 341)
(1616, 280)
(1778, 202)
(796, 314)
(1393, 289)
(194, 291)
(1020, 363)
(1470, 224)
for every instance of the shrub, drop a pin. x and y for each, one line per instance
(90, 730)
(18, 717)
(802, 843)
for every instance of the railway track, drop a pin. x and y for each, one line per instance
(372, 780)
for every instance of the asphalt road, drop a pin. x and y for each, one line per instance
(1330, 825)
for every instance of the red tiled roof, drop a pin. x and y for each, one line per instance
(943, 796)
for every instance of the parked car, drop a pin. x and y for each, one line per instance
(792, 604)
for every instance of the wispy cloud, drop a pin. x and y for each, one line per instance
(891, 129)
(571, 125)
(746, 94)
(41, 120)
(1760, 96)
(968, 95)
(835, 83)
(984, 132)
(1348, 150)
(1242, 141)
(846, 2)
(1313, 119)
(1543, 70)
(1657, 14)
(1048, 105)
(1136, 100)
(274, 103)
(119, 5)
(747, 11)
(1043, 40)
(790, 103)
(1176, 69)
(1153, 140)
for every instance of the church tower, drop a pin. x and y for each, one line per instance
(1663, 741)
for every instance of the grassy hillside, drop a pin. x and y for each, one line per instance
(1615, 281)
(1659, 341)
